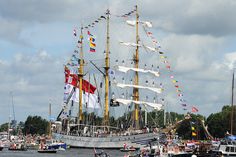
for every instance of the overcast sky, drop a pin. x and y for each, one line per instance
(36, 39)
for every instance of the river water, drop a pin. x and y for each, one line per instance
(73, 152)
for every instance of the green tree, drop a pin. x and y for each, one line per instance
(35, 125)
(219, 123)
(4, 127)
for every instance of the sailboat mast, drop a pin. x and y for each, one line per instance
(107, 67)
(232, 106)
(80, 75)
(136, 78)
(50, 123)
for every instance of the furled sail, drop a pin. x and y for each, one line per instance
(157, 90)
(144, 23)
(126, 69)
(151, 48)
(153, 105)
(129, 44)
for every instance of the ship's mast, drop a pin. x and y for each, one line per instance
(136, 78)
(107, 67)
(80, 76)
(232, 107)
(50, 123)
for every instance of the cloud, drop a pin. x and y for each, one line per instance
(198, 39)
(33, 79)
(230, 60)
(193, 17)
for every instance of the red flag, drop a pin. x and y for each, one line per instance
(73, 80)
(194, 109)
(87, 87)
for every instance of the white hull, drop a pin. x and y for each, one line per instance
(115, 142)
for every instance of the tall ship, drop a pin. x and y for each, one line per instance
(128, 88)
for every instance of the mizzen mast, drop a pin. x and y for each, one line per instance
(107, 67)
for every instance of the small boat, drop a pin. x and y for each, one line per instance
(47, 151)
(17, 147)
(52, 144)
(226, 148)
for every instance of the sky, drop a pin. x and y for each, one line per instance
(36, 40)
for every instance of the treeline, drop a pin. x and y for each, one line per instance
(218, 124)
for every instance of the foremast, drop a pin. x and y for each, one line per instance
(107, 67)
(80, 77)
(136, 77)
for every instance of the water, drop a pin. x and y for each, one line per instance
(73, 152)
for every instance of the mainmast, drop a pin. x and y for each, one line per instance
(136, 78)
(80, 76)
(107, 67)
(232, 107)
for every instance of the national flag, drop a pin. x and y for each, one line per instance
(194, 109)
(88, 99)
(72, 79)
(87, 87)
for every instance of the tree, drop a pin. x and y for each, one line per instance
(4, 127)
(219, 123)
(35, 125)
